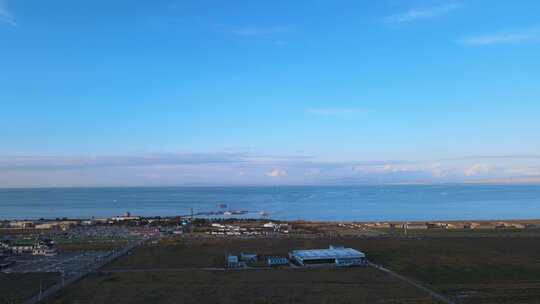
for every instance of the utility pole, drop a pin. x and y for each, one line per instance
(406, 226)
(191, 222)
(40, 288)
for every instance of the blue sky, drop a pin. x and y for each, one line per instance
(107, 93)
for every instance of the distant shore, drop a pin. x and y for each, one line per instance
(128, 219)
(158, 217)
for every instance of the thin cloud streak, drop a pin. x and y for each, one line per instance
(167, 169)
(526, 36)
(29, 162)
(5, 14)
(422, 13)
(508, 156)
(477, 169)
(81, 162)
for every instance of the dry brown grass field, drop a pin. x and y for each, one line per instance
(486, 269)
(259, 286)
(15, 287)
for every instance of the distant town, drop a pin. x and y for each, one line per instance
(71, 249)
(43, 237)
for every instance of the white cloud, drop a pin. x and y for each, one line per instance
(276, 173)
(221, 168)
(422, 13)
(384, 169)
(477, 169)
(437, 171)
(434, 170)
(526, 36)
(5, 15)
(524, 171)
(337, 111)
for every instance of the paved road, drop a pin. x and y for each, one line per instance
(432, 293)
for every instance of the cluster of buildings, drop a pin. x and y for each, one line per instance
(65, 224)
(43, 247)
(246, 259)
(127, 219)
(41, 224)
(220, 229)
(438, 225)
(331, 256)
(235, 230)
(277, 227)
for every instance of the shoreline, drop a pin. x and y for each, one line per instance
(66, 223)
(472, 184)
(257, 219)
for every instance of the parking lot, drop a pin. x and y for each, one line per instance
(68, 263)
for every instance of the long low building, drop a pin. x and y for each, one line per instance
(334, 255)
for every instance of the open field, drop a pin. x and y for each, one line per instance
(496, 269)
(15, 287)
(462, 233)
(363, 285)
(469, 266)
(472, 270)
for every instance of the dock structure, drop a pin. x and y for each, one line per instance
(334, 255)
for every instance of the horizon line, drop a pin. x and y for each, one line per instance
(283, 185)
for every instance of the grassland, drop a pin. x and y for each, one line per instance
(498, 266)
(268, 286)
(471, 270)
(16, 287)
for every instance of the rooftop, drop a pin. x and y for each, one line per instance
(330, 253)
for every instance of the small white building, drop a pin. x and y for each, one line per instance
(232, 261)
(248, 256)
(269, 225)
(44, 250)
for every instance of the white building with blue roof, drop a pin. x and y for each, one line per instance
(334, 255)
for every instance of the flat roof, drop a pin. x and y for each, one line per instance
(330, 253)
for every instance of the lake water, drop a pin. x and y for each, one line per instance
(360, 203)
